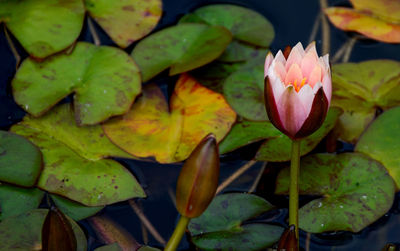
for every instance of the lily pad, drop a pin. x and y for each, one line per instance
(278, 148)
(72, 172)
(125, 21)
(14, 169)
(238, 52)
(14, 234)
(244, 89)
(359, 89)
(110, 247)
(221, 225)
(182, 47)
(355, 191)
(381, 142)
(105, 81)
(74, 210)
(16, 200)
(43, 27)
(245, 24)
(151, 129)
(378, 20)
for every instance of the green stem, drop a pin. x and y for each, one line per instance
(176, 237)
(294, 186)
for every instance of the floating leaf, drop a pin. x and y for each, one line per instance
(279, 148)
(70, 171)
(221, 225)
(245, 24)
(73, 209)
(43, 27)
(244, 89)
(23, 232)
(105, 81)
(237, 52)
(359, 88)
(14, 169)
(125, 21)
(110, 247)
(355, 190)
(183, 47)
(367, 21)
(381, 142)
(16, 200)
(150, 129)
(147, 248)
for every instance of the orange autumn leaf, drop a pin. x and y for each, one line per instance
(379, 20)
(169, 134)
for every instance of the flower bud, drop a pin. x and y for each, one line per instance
(198, 179)
(288, 240)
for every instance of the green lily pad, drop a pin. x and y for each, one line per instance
(73, 209)
(245, 24)
(16, 200)
(182, 47)
(381, 142)
(110, 247)
(14, 234)
(355, 191)
(72, 166)
(14, 169)
(125, 21)
(359, 89)
(278, 148)
(244, 89)
(148, 248)
(105, 81)
(43, 27)
(237, 52)
(220, 226)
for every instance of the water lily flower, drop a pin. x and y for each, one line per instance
(298, 90)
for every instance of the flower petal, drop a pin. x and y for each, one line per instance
(315, 76)
(308, 63)
(316, 117)
(327, 85)
(306, 95)
(268, 61)
(295, 57)
(311, 47)
(271, 106)
(294, 74)
(291, 111)
(280, 70)
(280, 58)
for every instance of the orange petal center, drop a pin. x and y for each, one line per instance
(297, 86)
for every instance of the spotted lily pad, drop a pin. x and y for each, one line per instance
(73, 160)
(381, 142)
(14, 169)
(181, 48)
(222, 227)
(125, 21)
(359, 89)
(73, 209)
(14, 234)
(170, 133)
(355, 191)
(376, 19)
(105, 81)
(245, 24)
(43, 27)
(238, 52)
(278, 148)
(16, 200)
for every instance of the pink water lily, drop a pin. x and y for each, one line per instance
(298, 90)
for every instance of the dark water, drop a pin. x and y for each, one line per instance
(293, 21)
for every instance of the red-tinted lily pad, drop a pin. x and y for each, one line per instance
(170, 133)
(355, 191)
(125, 21)
(105, 81)
(181, 48)
(14, 169)
(222, 225)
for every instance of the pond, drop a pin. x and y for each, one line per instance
(350, 128)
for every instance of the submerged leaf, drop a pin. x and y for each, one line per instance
(183, 47)
(150, 129)
(221, 225)
(125, 21)
(355, 191)
(105, 81)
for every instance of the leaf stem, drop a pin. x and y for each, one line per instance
(294, 186)
(326, 38)
(12, 47)
(235, 175)
(92, 30)
(176, 237)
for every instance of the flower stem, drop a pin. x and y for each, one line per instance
(294, 186)
(176, 237)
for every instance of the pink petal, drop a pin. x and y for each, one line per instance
(295, 57)
(308, 63)
(291, 111)
(327, 86)
(300, 49)
(280, 70)
(276, 85)
(324, 62)
(293, 74)
(311, 47)
(280, 58)
(315, 76)
(306, 95)
(268, 61)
